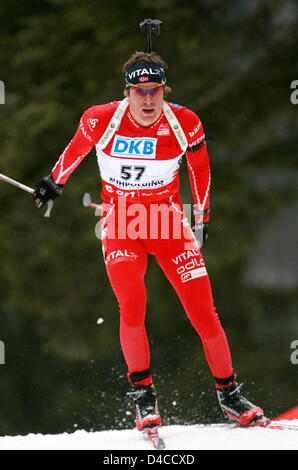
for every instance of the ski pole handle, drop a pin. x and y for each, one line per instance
(87, 202)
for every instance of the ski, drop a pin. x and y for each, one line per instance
(153, 436)
(264, 424)
(270, 425)
(280, 426)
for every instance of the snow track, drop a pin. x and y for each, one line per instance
(196, 437)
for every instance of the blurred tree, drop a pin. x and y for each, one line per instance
(232, 62)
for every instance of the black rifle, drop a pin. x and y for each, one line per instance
(147, 27)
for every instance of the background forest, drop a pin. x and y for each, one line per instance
(233, 63)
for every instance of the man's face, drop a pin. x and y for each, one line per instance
(146, 107)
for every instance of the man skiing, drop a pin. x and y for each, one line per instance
(140, 143)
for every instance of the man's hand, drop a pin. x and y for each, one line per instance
(45, 190)
(201, 233)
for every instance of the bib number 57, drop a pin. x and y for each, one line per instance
(128, 172)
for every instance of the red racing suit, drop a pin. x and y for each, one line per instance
(139, 172)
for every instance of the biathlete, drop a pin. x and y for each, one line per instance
(140, 144)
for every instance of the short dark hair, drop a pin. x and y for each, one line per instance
(139, 57)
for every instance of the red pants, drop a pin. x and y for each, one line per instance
(180, 259)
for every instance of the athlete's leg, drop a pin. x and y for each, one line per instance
(185, 269)
(126, 263)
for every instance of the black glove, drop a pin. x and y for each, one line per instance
(45, 190)
(201, 233)
(200, 228)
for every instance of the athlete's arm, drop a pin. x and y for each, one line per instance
(198, 165)
(78, 148)
(51, 186)
(86, 136)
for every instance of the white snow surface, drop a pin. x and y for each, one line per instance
(176, 437)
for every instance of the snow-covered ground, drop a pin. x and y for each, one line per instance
(197, 437)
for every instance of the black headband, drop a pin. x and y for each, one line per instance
(145, 72)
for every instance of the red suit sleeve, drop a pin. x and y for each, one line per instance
(92, 124)
(198, 165)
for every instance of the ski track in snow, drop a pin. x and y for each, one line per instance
(195, 437)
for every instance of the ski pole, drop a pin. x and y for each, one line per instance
(87, 202)
(16, 183)
(28, 190)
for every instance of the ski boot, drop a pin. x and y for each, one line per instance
(236, 407)
(147, 413)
